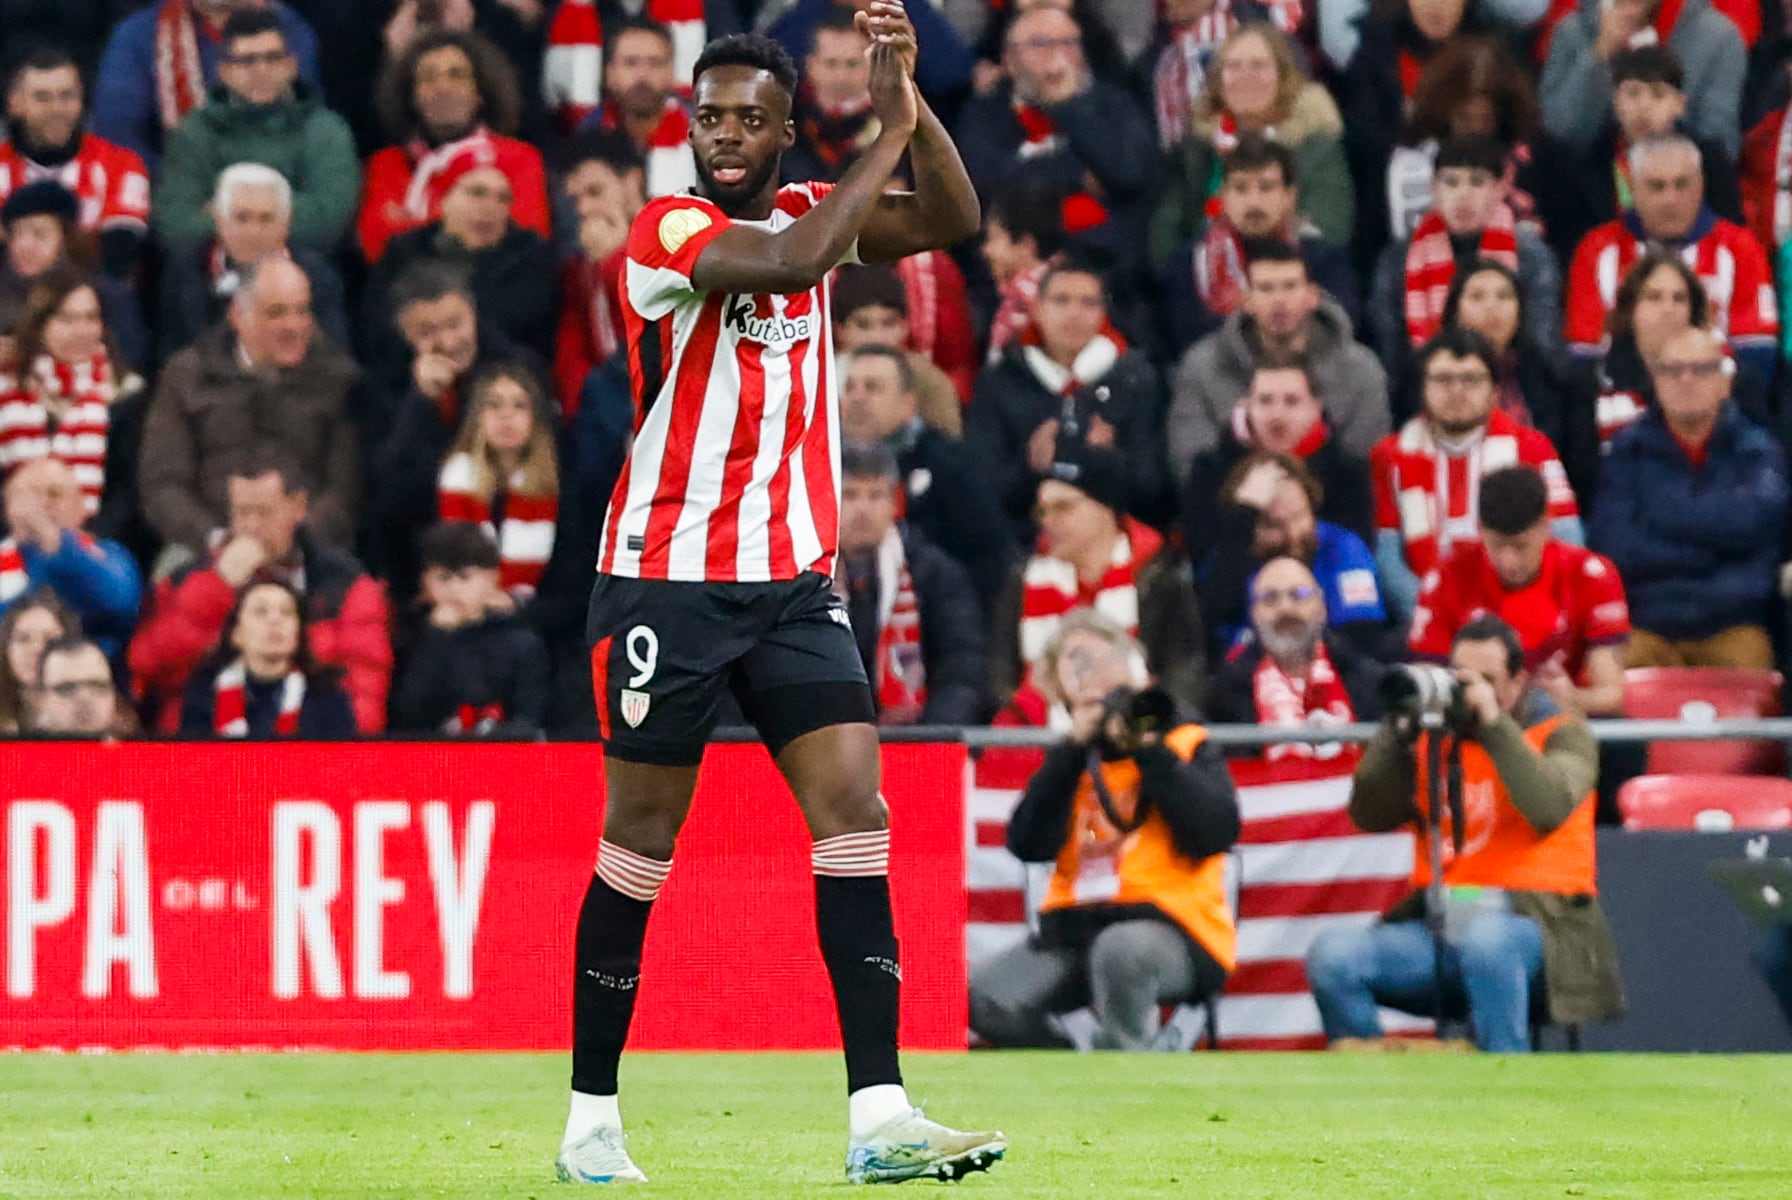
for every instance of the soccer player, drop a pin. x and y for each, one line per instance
(715, 562)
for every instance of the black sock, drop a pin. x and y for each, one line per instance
(612, 928)
(858, 943)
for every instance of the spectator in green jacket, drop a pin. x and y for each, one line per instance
(260, 112)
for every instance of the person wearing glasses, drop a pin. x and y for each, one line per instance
(1426, 476)
(75, 694)
(260, 111)
(1691, 508)
(1291, 670)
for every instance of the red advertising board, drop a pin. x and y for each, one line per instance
(390, 896)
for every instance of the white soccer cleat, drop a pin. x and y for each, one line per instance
(910, 1146)
(598, 1157)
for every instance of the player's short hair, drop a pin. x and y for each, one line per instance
(611, 147)
(1513, 499)
(1255, 152)
(1029, 212)
(868, 285)
(749, 50)
(251, 22)
(426, 281)
(1489, 628)
(458, 546)
(1648, 64)
(905, 371)
(869, 460)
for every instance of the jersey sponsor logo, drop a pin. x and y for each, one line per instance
(680, 226)
(741, 316)
(634, 707)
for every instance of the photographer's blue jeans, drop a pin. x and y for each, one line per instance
(1494, 965)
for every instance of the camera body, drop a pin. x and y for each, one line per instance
(1426, 695)
(1143, 711)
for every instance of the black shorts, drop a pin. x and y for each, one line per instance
(662, 651)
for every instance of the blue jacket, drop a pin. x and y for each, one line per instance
(98, 580)
(125, 109)
(1699, 548)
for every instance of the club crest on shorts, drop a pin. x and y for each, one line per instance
(634, 707)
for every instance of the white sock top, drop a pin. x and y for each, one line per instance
(870, 1107)
(587, 1113)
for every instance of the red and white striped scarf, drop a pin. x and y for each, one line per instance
(921, 284)
(1613, 410)
(230, 714)
(1218, 264)
(901, 670)
(1050, 590)
(526, 539)
(423, 195)
(60, 411)
(1319, 699)
(14, 581)
(1015, 312)
(1431, 265)
(180, 75)
(1438, 487)
(1081, 210)
(670, 165)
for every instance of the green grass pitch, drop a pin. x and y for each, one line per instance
(771, 1126)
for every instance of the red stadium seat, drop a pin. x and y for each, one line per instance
(1703, 694)
(1713, 803)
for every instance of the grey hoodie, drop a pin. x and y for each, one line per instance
(1216, 373)
(1576, 91)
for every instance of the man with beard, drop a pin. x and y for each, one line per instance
(833, 106)
(641, 99)
(1259, 197)
(1292, 671)
(1267, 511)
(1427, 477)
(45, 139)
(714, 571)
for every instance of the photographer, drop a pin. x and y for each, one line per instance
(1137, 812)
(1519, 903)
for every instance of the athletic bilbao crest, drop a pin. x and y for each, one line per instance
(634, 707)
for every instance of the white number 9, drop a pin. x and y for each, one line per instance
(643, 647)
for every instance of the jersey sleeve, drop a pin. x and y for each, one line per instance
(798, 198)
(1604, 611)
(1586, 304)
(1381, 471)
(1435, 617)
(1539, 452)
(126, 203)
(663, 247)
(1754, 313)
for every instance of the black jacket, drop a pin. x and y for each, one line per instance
(952, 503)
(954, 639)
(1009, 403)
(1185, 319)
(1342, 476)
(191, 303)
(498, 668)
(325, 713)
(1233, 699)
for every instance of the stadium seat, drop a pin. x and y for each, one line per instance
(1712, 803)
(1703, 694)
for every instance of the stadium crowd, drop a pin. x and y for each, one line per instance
(314, 388)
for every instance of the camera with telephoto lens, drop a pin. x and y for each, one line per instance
(1425, 694)
(1143, 711)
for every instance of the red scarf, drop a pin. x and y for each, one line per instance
(920, 282)
(1438, 492)
(61, 411)
(1050, 589)
(180, 75)
(1015, 313)
(436, 170)
(1082, 211)
(901, 671)
(1431, 265)
(14, 582)
(1410, 69)
(1287, 702)
(1218, 264)
(526, 538)
(229, 703)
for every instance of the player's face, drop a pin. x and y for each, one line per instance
(1280, 410)
(1517, 557)
(251, 226)
(638, 72)
(740, 128)
(1489, 306)
(867, 511)
(267, 628)
(33, 244)
(1458, 393)
(1257, 202)
(445, 91)
(1669, 189)
(47, 104)
(76, 332)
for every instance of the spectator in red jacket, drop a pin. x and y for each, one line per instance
(606, 183)
(1668, 207)
(450, 96)
(266, 539)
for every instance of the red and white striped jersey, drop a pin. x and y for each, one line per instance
(734, 475)
(109, 180)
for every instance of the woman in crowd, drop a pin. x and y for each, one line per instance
(1256, 85)
(503, 474)
(41, 228)
(60, 392)
(261, 681)
(1531, 385)
(33, 621)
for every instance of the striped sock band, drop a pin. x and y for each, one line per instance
(634, 875)
(852, 855)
